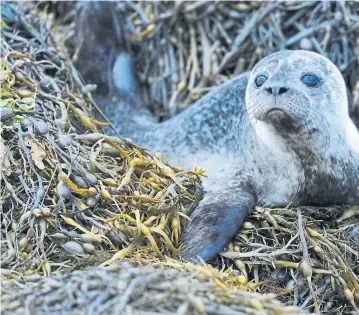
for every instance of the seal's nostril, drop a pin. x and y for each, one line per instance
(276, 90)
(269, 90)
(282, 90)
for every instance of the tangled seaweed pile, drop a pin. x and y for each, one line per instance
(308, 258)
(185, 49)
(305, 258)
(128, 289)
(66, 186)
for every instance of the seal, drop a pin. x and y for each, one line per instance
(277, 136)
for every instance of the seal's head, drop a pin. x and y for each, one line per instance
(295, 90)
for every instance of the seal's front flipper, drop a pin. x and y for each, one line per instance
(214, 223)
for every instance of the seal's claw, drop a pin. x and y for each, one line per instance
(214, 223)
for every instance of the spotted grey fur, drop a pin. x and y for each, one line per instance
(306, 152)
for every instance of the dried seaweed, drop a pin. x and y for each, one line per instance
(129, 289)
(65, 184)
(57, 217)
(308, 258)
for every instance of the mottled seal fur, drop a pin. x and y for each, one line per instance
(286, 141)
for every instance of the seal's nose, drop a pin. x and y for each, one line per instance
(277, 90)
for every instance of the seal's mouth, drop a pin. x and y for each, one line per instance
(275, 111)
(281, 119)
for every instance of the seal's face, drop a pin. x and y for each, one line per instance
(295, 90)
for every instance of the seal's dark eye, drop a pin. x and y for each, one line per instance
(259, 81)
(310, 80)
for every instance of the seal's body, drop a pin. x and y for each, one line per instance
(278, 136)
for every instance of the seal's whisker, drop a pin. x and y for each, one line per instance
(324, 126)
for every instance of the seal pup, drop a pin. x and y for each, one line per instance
(277, 136)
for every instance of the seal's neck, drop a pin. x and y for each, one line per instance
(327, 141)
(352, 136)
(344, 135)
(276, 143)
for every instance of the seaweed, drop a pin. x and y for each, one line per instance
(73, 198)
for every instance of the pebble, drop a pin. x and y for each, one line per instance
(91, 178)
(74, 248)
(41, 128)
(6, 113)
(25, 123)
(64, 141)
(46, 85)
(306, 44)
(63, 191)
(80, 182)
